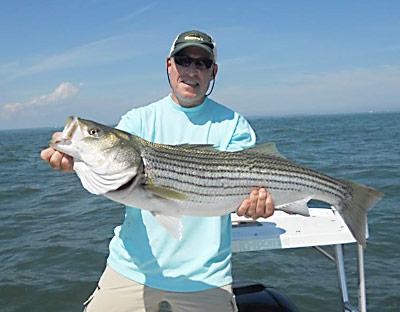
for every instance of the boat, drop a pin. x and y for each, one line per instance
(324, 227)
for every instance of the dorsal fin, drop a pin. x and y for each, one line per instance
(268, 148)
(205, 147)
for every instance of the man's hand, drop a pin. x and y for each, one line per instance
(258, 204)
(56, 159)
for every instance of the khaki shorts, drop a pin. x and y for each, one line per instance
(116, 293)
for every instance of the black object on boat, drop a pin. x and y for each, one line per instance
(253, 297)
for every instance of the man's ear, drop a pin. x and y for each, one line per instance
(168, 64)
(215, 71)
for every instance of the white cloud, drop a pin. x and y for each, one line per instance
(12, 107)
(133, 15)
(104, 51)
(62, 92)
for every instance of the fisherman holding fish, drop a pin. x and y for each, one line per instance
(147, 267)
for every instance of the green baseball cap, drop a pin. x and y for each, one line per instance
(194, 38)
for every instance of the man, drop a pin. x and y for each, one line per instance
(147, 267)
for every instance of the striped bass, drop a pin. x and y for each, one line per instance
(197, 180)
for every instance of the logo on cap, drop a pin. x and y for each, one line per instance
(191, 37)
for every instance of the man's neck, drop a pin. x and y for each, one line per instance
(187, 102)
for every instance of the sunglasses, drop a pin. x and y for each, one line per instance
(199, 63)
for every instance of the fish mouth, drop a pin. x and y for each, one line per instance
(70, 128)
(72, 132)
(59, 142)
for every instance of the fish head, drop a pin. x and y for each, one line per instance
(103, 149)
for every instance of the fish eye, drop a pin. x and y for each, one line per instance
(94, 131)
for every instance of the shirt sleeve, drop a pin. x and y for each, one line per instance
(243, 137)
(131, 122)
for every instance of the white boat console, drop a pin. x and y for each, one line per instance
(324, 227)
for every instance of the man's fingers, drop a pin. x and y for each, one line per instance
(46, 153)
(67, 163)
(269, 206)
(258, 204)
(251, 211)
(242, 210)
(261, 203)
(55, 160)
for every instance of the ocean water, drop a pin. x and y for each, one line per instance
(54, 235)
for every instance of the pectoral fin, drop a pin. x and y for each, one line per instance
(297, 207)
(172, 224)
(165, 192)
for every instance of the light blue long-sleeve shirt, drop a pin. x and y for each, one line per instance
(142, 250)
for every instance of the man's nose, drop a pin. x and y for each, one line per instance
(191, 67)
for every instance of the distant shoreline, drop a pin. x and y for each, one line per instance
(250, 117)
(322, 114)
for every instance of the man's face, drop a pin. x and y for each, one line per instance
(190, 84)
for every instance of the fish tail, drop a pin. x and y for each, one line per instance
(354, 208)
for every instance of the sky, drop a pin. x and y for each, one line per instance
(98, 59)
